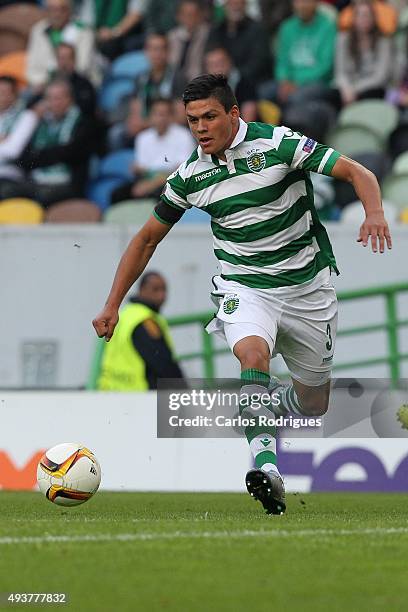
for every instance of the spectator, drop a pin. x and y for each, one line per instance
(218, 61)
(398, 95)
(161, 15)
(386, 16)
(187, 41)
(118, 24)
(305, 52)
(246, 41)
(159, 150)
(56, 158)
(16, 128)
(159, 80)
(45, 37)
(84, 91)
(274, 12)
(122, 135)
(364, 57)
(141, 351)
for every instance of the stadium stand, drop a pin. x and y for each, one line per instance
(354, 139)
(20, 211)
(73, 211)
(113, 91)
(100, 190)
(378, 116)
(395, 189)
(14, 65)
(129, 65)
(374, 131)
(129, 212)
(354, 213)
(117, 164)
(16, 21)
(400, 165)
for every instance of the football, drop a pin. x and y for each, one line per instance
(68, 474)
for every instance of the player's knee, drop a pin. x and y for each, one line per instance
(253, 358)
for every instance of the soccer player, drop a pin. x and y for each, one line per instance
(274, 290)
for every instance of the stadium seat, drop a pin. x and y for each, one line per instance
(119, 164)
(14, 65)
(16, 21)
(129, 65)
(354, 213)
(20, 17)
(194, 215)
(378, 163)
(269, 112)
(400, 165)
(20, 211)
(395, 189)
(130, 212)
(10, 42)
(73, 211)
(100, 190)
(379, 116)
(113, 91)
(352, 140)
(398, 141)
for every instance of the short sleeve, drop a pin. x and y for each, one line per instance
(174, 192)
(299, 151)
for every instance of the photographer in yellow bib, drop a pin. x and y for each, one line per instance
(141, 351)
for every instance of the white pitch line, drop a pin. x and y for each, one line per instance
(175, 535)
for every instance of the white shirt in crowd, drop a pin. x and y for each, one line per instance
(13, 144)
(163, 153)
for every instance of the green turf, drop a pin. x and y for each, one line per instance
(182, 568)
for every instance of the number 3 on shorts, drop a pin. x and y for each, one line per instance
(329, 342)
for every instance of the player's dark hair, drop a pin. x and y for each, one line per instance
(4, 78)
(210, 86)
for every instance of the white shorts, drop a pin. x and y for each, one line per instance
(302, 328)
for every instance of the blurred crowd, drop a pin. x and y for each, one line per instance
(88, 80)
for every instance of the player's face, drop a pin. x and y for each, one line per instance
(211, 125)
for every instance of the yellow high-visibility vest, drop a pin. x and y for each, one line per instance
(123, 368)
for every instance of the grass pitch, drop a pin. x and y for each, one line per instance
(208, 552)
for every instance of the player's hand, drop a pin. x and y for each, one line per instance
(105, 322)
(375, 226)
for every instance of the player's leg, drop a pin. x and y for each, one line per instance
(300, 398)
(306, 341)
(253, 352)
(252, 343)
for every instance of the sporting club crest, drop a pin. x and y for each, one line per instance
(231, 303)
(256, 161)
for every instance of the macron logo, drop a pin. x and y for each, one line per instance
(204, 175)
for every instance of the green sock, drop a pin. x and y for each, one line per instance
(288, 400)
(261, 439)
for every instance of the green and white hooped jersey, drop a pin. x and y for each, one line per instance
(265, 226)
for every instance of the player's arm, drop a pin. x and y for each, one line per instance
(368, 191)
(134, 260)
